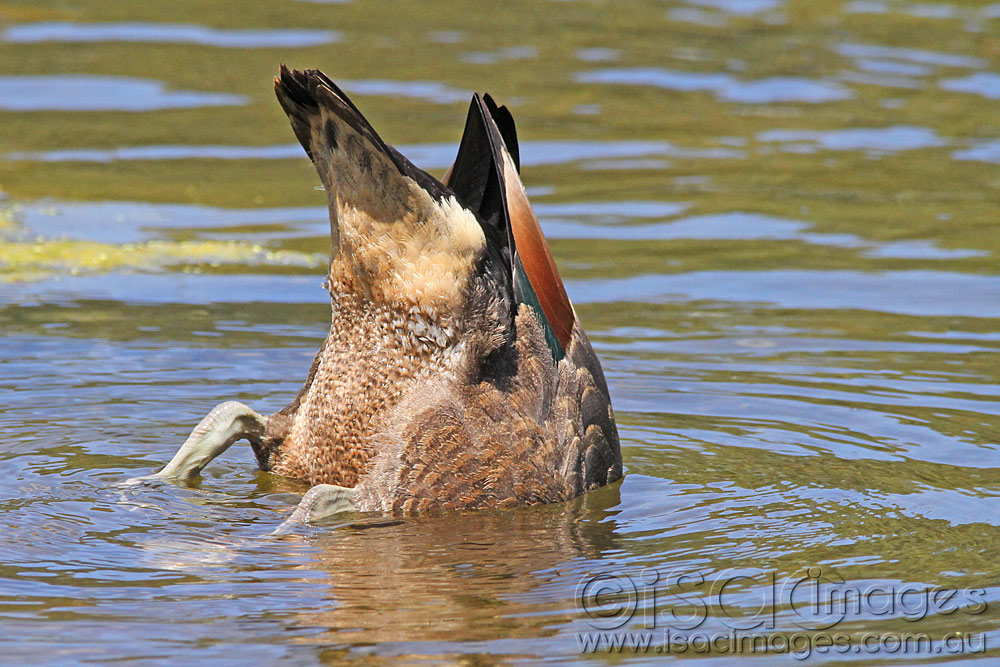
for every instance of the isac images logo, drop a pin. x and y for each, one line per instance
(758, 611)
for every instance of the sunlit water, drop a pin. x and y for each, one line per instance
(777, 220)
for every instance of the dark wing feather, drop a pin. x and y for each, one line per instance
(485, 179)
(505, 123)
(478, 183)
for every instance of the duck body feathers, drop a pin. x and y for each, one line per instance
(455, 373)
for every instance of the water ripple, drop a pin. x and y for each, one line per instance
(82, 92)
(432, 91)
(131, 222)
(924, 293)
(64, 31)
(987, 151)
(986, 84)
(921, 293)
(872, 140)
(739, 6)
(725, 86)
(427, 156)
(919, 56)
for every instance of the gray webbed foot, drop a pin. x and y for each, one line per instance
(223, 426)
(320, 502)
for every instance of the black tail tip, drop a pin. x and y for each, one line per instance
(293, 85)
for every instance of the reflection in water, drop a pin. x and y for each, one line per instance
(84, 92)
(431, 579)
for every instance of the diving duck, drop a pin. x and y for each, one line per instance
(456, 373)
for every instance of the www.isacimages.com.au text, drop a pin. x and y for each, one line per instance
(799, 645)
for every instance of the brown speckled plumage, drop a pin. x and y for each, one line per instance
(436, 387)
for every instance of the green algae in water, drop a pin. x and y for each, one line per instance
(32, 261)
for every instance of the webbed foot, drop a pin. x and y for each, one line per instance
(224, 425)
(321, 501)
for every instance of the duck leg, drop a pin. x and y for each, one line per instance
(321, 501)
(223, 426)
